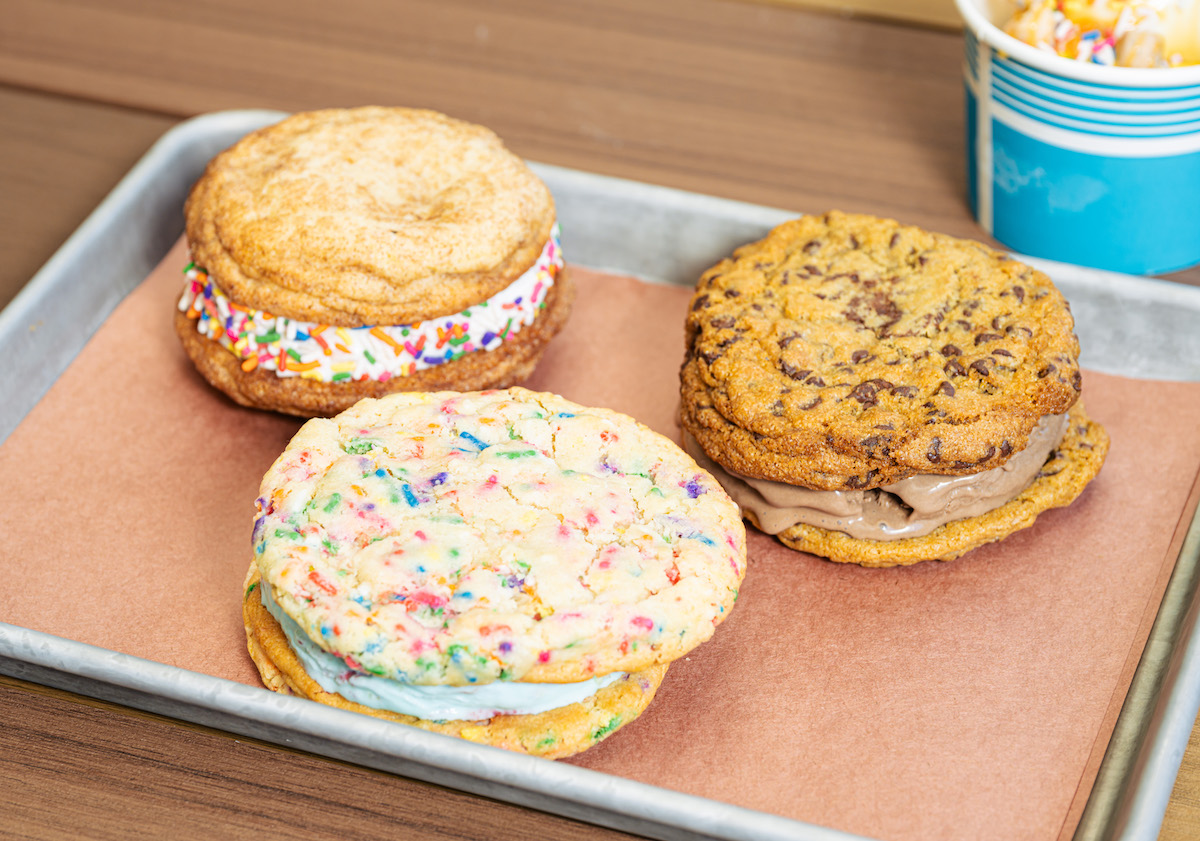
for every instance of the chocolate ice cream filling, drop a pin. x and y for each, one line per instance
(911, 507)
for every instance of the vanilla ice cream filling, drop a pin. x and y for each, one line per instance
(292, 348)
(912, 507)
(432, 703)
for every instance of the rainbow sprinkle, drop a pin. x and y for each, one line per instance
(292, 348)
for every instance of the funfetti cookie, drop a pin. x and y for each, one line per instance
(505, 566)
(344, 254)
(878, 394)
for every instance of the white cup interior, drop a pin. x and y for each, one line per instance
(997, 11)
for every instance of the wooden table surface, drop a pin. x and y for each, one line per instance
(769, 104)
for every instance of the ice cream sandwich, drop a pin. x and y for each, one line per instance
(351, 253)
(507, 567)
(877, 394)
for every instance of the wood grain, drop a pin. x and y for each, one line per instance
(777, 106)
(762, 103)
(68, 763)
(930, 12)
(58, 159)
(770, 105)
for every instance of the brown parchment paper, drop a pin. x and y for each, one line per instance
(972, 699)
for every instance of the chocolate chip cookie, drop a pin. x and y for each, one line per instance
(847, 354)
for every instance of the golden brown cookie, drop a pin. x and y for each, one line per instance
(848, 351)
(367, 216)
(339, 251)
(877, 394)
(1071, 466)
(552, 735)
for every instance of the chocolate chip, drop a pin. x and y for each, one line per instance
(864, 393)
(854, 243)
(860, 356)
(996, 323)
(922, 259)
(1077, 381)
(951, 350)
(794, 372)
(817, 381)
(880, 383)
(980, 366)
(723, 322)
(954, 368)
(732, 293)
(963, 323)
(724, 343)
(777, 408)
(1001, 352)
(905, 391)
(886, 425)
(710, 356)
(895, 240)
(812, 246)
(934, 454)
(1019, 293)
(987, 337)
(1017, 328)
(1006, 447)
(812, 404)
(788, 339)
(945, 388)
(700, 303)
(1047, 371)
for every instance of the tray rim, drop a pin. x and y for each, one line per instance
(1136, 776)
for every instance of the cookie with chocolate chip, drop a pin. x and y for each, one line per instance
(847, 354)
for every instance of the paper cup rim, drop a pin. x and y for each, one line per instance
(1126, 77)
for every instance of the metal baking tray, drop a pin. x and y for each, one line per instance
(1131, 326)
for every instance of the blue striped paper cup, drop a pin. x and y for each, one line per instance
(1093, 165)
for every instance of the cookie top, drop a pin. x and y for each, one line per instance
(367, 216)
(847, 351)
(454, 538)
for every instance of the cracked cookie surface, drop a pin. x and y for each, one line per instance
(455, 539)
(847, 351)
(365, 216)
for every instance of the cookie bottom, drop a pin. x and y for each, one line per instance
(1067, 471)
(553, 734)
(509, 364)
